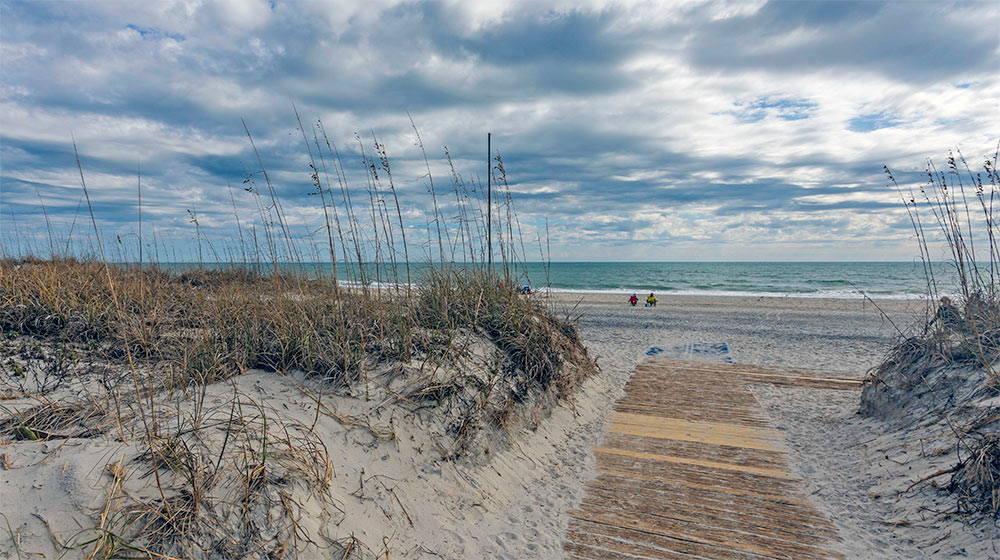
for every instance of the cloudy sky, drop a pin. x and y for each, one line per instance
(639, 131)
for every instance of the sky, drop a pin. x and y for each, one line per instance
(629, 131)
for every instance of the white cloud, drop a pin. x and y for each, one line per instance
(635, 128)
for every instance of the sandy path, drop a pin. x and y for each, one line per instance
(846, 336)
(831, 445)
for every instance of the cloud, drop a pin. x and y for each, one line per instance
(903, 40)
(628, 130)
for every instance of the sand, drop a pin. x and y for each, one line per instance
(401, 502)
(856, 469)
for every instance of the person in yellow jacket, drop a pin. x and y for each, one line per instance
(651, 300)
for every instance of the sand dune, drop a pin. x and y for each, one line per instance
(396, 497)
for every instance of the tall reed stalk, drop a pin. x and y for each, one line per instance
(956, 226)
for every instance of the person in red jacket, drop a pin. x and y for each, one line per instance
(633, 300)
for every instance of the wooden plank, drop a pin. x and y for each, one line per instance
(707, 536)
(716, 433)
(685, 487)
(787, 528)
(722, 453)
(696, 473)
(690, 468)
(770, 375)
(599, 535)
(689, 461)
(682, 495)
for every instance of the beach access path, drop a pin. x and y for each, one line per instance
(691, 468)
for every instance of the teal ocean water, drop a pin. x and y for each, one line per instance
(814, 279)
(799, 279)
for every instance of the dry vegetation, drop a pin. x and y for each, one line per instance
(943, 383)
(147, 363)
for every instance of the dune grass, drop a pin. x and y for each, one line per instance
(951, 363)
(130, 353)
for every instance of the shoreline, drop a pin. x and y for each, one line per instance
(565, 278)
(824, 295)
(906, 314)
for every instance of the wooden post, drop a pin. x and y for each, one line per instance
(489, 198)
(138, 175)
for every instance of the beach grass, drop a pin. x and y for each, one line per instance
(140, 355)
(947, 371)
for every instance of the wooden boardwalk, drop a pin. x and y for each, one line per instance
(690, 468)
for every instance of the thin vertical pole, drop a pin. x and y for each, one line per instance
(138, 175)
(489, 199)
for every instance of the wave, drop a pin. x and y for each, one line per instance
(820, 294)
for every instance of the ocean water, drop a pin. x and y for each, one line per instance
(813, 279)
(799, 279)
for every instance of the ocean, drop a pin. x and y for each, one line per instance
(797, 279)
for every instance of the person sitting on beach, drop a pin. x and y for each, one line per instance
(947, 313)
(526, 290)
(633, 300)
(651, 300)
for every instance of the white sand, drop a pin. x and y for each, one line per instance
(841, 456)
(396, 497)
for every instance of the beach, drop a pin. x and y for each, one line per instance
(396, 499)
(522, 512)
(502, 280)
(847, 336)
(857, 479)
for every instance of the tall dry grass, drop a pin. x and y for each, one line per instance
(151, 343)
(945, 372)
(952, 215)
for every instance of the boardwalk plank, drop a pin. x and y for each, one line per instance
(690, 468)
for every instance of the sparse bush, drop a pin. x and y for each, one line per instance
(970, 333)
(976, 482)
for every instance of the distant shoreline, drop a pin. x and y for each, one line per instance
(616, 303)
(834, 295)
(760, 279)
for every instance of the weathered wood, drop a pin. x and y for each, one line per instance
(754, 502)
(774, 375)
(691, 468)
(716, 452)
(696, 462)
(695, 430)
